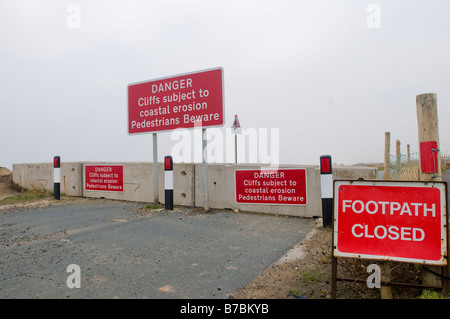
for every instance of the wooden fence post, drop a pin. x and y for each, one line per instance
(387, 154)
(427, 118)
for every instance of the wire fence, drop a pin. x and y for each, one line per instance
(404, 170)
(406, 167)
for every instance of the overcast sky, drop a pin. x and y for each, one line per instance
(332, 75)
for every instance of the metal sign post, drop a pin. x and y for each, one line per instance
(236, 127)
(155, 169)
(205, 170)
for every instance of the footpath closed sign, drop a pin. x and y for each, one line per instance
(276, 187)
(400, 221)
(182, 101)
(107, 178)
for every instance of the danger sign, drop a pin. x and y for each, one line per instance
(279, 187)
(107, 178)
(183, 101)
(401, 221)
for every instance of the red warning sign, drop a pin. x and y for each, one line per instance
(276, 187)
(104, 178)
(236, 122)
(182, 101)
(402, 221)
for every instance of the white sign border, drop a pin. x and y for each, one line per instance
(442, 186)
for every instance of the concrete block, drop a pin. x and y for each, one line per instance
(184, 181)
(188, 184)
(34, 176)
(72, 179)
(137, 182)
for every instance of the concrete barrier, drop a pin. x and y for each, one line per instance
(188, 184)
(39, 176)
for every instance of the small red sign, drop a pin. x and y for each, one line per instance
(107, 178)
(183, 101)
(429, 157)
(276, 187)
(402, 221)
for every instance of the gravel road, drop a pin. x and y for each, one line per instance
(125, 251)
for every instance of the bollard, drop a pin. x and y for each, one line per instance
(326, 187)
(168, 182)
(56, 177)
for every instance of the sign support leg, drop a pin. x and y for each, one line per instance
(155, 169)
(385, 291)
(445, 269)
(333, 276)
(333, 259)
(205, 169)
(235, 148)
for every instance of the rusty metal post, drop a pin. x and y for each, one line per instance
(333, 277)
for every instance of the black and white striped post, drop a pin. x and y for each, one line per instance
(326, 188)
(56, 176)
(168, 182)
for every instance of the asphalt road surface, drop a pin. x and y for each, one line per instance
(120, 252)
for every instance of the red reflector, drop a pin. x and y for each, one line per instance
(168, 163)
(325, 165)
(56, 161)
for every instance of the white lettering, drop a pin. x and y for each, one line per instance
(378, 235)
(353, 230)
(172, 85)
(375, 204)
(346, 204)
(405, 209)
(394, 207)
(432, 210)
(383, 205)
(361, 207)
(391, 232)
(372, 207)
(422, 233)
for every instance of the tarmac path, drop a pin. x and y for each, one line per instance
(123, 251)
